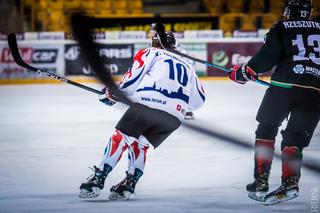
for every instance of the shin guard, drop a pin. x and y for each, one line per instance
(137, 154)
(114, 149)
(264, 151)
(291, 162)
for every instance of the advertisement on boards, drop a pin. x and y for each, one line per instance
(117, 57)
(45, 57)
(230, 54)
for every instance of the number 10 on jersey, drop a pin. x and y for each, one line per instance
(177, 71)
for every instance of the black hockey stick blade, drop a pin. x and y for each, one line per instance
(12, 42)
(161, 32)
(83, 34)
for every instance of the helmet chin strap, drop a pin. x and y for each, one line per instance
(286, 13)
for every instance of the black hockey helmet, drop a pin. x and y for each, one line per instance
(171, 40)
(298, 9)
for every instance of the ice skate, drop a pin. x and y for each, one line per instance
(125, 189)
(258, 189)
(287, 191)
(189, 116)
(92, 187)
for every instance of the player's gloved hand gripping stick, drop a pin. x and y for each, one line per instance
(242, 74)
(107, 97)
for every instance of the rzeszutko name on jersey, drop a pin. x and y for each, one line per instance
(162, 80)
(301, 24)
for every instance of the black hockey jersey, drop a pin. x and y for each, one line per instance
(294, 48)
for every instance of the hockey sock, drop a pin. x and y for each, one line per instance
(137, 154)
(264, 151)
(291, 162)
(114, 149)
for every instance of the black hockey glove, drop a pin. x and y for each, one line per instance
(107, 97)
(242, 74)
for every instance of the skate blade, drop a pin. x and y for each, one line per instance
(116, 196)
(189, 118)
(275, 199)
(257, 196)
(86, 194)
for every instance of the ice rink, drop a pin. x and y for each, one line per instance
(50, 135)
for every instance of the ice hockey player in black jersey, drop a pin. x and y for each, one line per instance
(293, 46)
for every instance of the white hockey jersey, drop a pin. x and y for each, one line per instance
(163, 80)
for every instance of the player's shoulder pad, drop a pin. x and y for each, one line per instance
(141, 51)
(275, 28)
(277, 25)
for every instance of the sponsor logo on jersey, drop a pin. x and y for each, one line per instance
(313, 71)
(298, 69)
(155, 100)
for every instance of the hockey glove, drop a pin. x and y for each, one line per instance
(107, 97)
(242, 74)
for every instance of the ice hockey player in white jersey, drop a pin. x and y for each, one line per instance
(162, 86)
(177, 46)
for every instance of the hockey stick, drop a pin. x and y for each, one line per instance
(309, 163)
(264, 83)
(162, 39)
(12, 41)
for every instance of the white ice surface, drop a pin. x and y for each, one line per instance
(50, 134)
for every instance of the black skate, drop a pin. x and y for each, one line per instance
(124, 189)
(287, 191)
(95, 183)
(258, 189)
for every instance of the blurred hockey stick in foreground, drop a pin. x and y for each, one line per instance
(83, 34)
(162, 38)
(12, 41)
(82, 31)
(307, 163)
